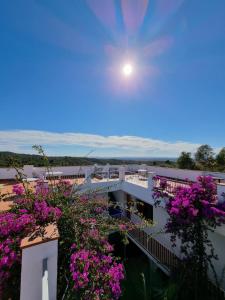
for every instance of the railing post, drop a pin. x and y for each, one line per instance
(150, 180)
(39, 265)
(88, 173)
(121, 173)
(107, 167)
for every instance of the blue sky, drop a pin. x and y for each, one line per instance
(61, 83)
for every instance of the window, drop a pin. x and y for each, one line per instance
(145, 209)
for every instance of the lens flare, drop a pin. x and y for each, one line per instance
(127, 69)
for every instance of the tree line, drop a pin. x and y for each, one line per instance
(203, 159)
(37, 160)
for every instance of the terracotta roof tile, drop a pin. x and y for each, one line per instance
(41, 235)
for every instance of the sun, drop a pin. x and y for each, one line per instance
(127, 69)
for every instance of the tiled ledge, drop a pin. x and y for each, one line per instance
(41, 235)
(5, 205)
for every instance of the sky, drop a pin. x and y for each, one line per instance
(62, 83)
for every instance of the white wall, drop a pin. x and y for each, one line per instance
(138, 191)
(31, 273)
(7, 173)
(70, 170)
(31, 171)
(99, 187)
(219, 265)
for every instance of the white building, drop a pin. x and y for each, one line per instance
(123, 184)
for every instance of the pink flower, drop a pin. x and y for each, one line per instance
(205, 203)
(95, 274)
(18, 189)
(74, 246)
(94, 233)
(99, 210)
(122, 227)
(185, 203)
(193, 211)
(108, 247)
(215, 210)
(174, 211)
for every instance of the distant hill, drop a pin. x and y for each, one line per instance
(37, 160)
(145, 158)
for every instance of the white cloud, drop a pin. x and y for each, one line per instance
(19, 140)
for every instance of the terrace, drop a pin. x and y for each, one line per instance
(133, 182)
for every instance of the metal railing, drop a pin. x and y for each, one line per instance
(160, 253)
(45, 287)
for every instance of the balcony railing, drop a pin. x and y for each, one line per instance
(170, 185)
(160, 253)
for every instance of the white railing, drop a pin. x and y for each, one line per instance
(137, 179)
(73, 171)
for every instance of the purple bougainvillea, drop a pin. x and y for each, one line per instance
(193, 211)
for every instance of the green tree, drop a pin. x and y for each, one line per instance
(220, 159)
(204, 157)
(185, 161)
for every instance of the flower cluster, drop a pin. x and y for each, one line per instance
(28, 213)
(193, 209)
(197, 201)
(99, 210)
(95, 272)
(193, 212)
(42, 190)
(18, 189)
(96, 276)
(13, 227)
(8, 256)
(43, 212)
(12, 223)
(64, 187)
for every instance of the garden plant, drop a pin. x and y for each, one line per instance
(193, 213)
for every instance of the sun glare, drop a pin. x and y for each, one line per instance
(127, 69)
